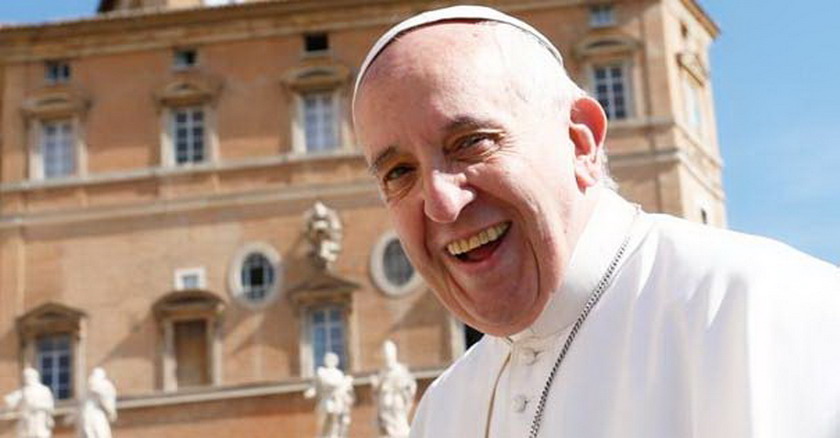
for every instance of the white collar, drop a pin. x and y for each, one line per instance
(601, 238)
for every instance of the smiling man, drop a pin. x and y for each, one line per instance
(603, 320)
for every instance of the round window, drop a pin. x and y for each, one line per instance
(391, 269)
(255, 274)
(398, 269)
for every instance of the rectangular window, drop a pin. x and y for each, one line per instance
(58, 149)
(184, 59)
(316, 43)
(693, 108)
(188, 139)
(601, 15)
(191, 361)
(320, 121)
(611, 89)
(57, 72)
(327, 333)
(190, 278)
(53, 357)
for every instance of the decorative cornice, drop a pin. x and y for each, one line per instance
(189, 302)
(50, 318)
(188, 88)
(605, 45)
(238, 200)
(693, 64)
(56, 101)
(137, 175)
(705, 19)
(316, 73)
(167, 27)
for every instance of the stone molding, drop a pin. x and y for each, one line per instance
(234, 278)
(268, 19)
(377, 270)
(189, 305)
(606, 45)
(203, 395)
(53, 319)
(693, 64)
(170, 171)
(189, 88)
(56, 101)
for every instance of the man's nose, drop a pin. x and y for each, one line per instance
(445, 195)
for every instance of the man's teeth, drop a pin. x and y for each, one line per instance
(484, 236)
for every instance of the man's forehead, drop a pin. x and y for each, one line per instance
(473, 14)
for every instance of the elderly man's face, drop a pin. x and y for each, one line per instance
(479, 178)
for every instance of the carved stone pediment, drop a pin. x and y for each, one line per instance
(50, 318)
(188, 304)
(605, 45)
(694, 65)
(56, 101)
(189, 88)
(322, 287)
(316, 74)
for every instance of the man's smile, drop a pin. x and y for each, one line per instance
(480, 245)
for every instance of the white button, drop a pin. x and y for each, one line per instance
(529, 356)
(519, 403)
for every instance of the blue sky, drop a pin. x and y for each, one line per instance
(775, 71)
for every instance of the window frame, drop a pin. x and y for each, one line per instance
(172, 128)
(238, 290)
(192, 305)
(37, 156)
(308, 359)
(49, 320)
(64, 140)
(316, 52)
(692, 95)
(177, 65)
(63, 75)
(55, 355)
(379, 276)
(180, 274)
(191, 90)
(341, 322)
(602, 15)
(300, 143)
(628, 83)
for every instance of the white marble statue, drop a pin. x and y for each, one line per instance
(98, 408)
(334, 392)
(324, 233)
(34, 405)
(394, 389)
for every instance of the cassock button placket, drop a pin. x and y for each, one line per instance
(529, 356)
(519, 403)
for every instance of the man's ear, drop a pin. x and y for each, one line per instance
(587, 129)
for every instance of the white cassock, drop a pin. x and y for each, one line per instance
(702, 333)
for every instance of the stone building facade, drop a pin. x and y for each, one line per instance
(158, 166)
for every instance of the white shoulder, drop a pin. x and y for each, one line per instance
(459, 390)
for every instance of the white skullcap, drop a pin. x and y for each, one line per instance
(453, 13)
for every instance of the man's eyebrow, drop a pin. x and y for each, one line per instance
(465, 123)
(458, 124)
(380, 158)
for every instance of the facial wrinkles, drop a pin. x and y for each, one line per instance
(444, 90)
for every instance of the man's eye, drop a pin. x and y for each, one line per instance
(395, 173)
(471, 141)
